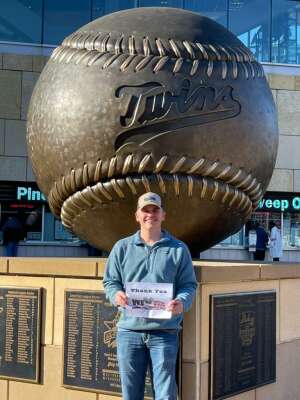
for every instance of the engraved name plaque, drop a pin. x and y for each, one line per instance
(243, 342)
(90, 352)
(20, 320)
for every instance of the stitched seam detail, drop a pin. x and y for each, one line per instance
(226, 68)
(108, 42)
(126, 167)
(102, 50)
(117, 189)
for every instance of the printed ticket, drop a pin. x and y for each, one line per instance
(148, 300)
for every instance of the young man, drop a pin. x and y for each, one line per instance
(154, 256)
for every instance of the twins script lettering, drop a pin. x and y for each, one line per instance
(151, 103)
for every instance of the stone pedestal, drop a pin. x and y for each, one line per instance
(55, 275)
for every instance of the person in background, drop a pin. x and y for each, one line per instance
(12, 234)
(275, 243)
(261, 243)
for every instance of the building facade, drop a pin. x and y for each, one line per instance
(30, 30)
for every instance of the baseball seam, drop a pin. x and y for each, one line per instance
(87, 49)
(125, 167)
(100, 194)
(105, 42)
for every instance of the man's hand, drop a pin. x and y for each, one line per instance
(121, 299)
(175, 306)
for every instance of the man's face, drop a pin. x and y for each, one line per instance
(150, 216)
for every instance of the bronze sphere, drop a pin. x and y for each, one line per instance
(152, 99)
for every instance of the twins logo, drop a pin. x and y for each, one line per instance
(151, 107)
(110, 335)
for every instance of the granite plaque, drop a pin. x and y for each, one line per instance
(20, 319)
(90, 352)
(243, 342)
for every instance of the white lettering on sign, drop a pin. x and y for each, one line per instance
(296, 203)
(269, 203)
(27, 193)
(280, 204)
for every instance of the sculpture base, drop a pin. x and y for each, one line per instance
(56, 276)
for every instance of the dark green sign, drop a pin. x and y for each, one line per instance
(243, 342)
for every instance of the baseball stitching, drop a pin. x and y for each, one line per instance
(102, 181)
(103, 49)
(103, 193)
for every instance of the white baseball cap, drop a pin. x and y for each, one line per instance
(147, 199)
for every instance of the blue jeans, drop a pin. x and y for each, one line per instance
(11, 249)
(136, 350)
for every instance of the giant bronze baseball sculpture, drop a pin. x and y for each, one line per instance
(152, 99)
